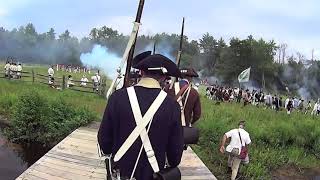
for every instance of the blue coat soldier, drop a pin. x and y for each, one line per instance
(163, 132)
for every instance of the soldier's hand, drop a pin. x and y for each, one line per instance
(222, 149)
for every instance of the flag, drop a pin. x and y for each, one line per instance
(244, 76)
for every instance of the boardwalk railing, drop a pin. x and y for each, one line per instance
(58, 82)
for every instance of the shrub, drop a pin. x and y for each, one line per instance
(38, 119)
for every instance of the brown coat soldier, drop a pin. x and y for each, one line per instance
(190, 98)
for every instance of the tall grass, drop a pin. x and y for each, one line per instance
(277, 139)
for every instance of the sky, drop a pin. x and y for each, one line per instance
(295, 22)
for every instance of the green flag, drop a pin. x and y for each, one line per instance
(244, 76)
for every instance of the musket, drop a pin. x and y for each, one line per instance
(128, 53)
(179, 54)
(154, 47)
(130, 57)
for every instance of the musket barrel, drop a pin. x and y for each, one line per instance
(181, 41)
(130, 56)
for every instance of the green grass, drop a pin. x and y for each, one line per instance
(277, 139)
(11, 90)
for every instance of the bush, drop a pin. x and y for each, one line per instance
(37, 119)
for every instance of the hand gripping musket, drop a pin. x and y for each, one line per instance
(128, 54)
(174, 79)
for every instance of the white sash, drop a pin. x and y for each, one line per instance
(140, 130)
(179, 100)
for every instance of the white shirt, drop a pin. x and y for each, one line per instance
(98, 77)
(235, 139)
(286, 103)
(50, 71)
(94, 79)
(12, 67)
(7, 67)
(19, 68)
(84, 81)
(318, 107)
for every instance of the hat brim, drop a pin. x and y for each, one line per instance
(189, 73)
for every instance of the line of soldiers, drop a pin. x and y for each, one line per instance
(13, 70)
(71, 68)
(259, 98)
(142, 125)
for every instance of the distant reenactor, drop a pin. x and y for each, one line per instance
(84, 81)
(7, 69)
(96, 82)
(19, 70)
(70, 82)
(141, 125)
(13, 70)
(51, 71)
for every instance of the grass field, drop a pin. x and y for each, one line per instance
(277, 139)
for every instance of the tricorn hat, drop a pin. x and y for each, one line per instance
(159, 64)
(190, 72)
(138, 58)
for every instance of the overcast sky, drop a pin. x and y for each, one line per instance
(295, 22)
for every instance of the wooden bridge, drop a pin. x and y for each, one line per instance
(76, 158)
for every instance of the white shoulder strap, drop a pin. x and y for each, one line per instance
(144, 135)
(143, 122)
(176, 87)
(186, 93)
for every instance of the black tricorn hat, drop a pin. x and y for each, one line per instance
(159, 64)
(138, 58)
(190, 72)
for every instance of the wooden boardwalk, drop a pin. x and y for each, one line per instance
(75, 158)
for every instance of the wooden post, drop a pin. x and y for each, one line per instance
(63, 81)
(32, 76)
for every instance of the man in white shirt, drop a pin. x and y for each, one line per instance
(95, 81)
(239, 139)
(7, 69)
(84, 81)
(19, 69)
(50, 71)
(98, 77)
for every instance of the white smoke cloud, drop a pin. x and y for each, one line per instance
(102, 58)
(304, 93)
(162, 48)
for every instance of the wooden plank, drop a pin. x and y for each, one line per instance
(48, 175)
(66, 173)
(31, 177)
(72, 165)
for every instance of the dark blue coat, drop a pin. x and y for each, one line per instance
(165, 134)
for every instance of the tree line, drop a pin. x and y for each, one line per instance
(213, 58)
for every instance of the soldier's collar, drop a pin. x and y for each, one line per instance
(148, 83)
